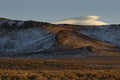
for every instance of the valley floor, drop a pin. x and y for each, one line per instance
(85, 68)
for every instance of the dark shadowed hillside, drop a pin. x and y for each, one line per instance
(26, 37)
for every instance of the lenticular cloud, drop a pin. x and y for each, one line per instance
(85, 20)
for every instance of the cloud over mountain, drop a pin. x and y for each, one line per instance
(85, 20)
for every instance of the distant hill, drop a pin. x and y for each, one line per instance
(45, 40)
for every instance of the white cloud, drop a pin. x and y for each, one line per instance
(85, 20)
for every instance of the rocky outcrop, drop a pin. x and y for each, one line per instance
(69, 39)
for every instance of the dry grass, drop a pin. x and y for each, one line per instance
(59, 75)
(89, 68)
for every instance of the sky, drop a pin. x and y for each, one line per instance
(55, 10)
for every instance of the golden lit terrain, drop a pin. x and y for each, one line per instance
(86, 68)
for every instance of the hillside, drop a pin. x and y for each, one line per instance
(26, 37)
(33, 50)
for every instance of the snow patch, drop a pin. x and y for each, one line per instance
(108, 34)
(20, 23)
(26, 40)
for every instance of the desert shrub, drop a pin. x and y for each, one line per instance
(32, 77)
(15, 78)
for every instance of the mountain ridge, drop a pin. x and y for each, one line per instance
(24, 37)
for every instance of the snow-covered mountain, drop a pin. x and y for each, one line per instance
(107, 33)
(40, 39)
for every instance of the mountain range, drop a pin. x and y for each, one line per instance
(34, 39)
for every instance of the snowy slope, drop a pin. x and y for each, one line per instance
(110, 34)
(26, 40)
